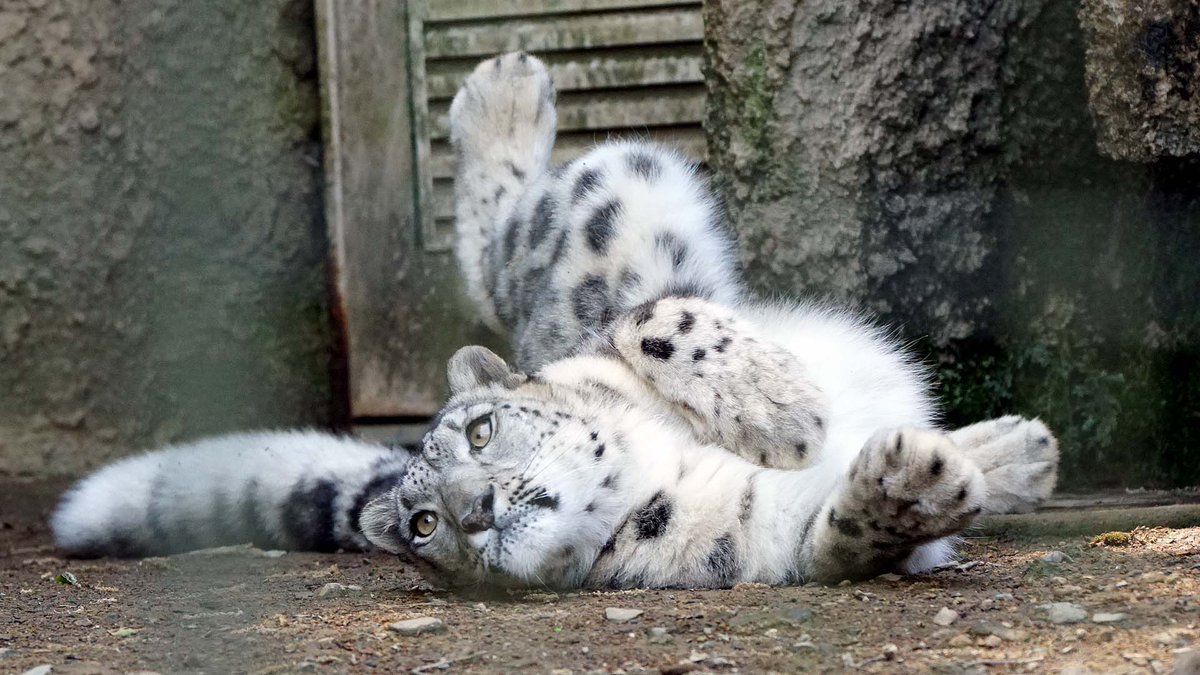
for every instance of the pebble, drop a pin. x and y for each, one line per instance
(945, 616)
(1064, 612)
(659, 635)
(1109, 617)
(1055, 557)
(890, 576)
(1003, 597)
(960, 640)
(417, 626)
(621, 614)
(39, 670)
(336, 590)
(991, 641)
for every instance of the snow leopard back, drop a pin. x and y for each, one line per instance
(551, 255)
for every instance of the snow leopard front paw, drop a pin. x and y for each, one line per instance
(507, 101)
(907, 487)
(1019, 460)
(736, 389)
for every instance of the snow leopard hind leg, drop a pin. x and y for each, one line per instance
(502, 127)
(552, 256)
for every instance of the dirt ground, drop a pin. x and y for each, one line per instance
(244, 610)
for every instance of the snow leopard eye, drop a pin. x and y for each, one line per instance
(423, 524)
(479, 432)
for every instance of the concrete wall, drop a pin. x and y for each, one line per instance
(937, 165)
(162, 252)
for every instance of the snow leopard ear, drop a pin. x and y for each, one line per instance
(473, 367)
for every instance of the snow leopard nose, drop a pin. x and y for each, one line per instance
(481, 516)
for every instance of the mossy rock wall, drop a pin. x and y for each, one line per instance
(162, 253)
(936, 164)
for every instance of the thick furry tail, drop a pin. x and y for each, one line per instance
(280, 490)
(502, 125)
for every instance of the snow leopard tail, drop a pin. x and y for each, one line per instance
(502, 126)
(298, 490)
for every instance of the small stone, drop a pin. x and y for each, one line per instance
(844, 582)
(1187, 663)
(541, 597)
(561, 671)
(417, 626)
(991, 641)
(1064, 612)
(39, 670)
(945, 616)
(1136, 659)
(1003, 597)
(1109, 617)
(1055, 557)
(960, 640)
(89, 119)
(274, 553)
(621, 614)
(986, 604)
(659, 636)
(479, 607)
(890, 576)
(306, 666)
(336, 590)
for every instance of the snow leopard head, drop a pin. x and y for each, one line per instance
(503, 492)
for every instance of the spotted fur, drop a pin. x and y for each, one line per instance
(658, 427)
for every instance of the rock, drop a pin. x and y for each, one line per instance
(418, 626)
(996, 630)
(540, 597)
(659, 635)
(39, 670)
(960, 640)
(1055, 557)
(1064, 612)
(336, 590)
(1187, 663)
(945, 616)
(1136, 659)
(1003, 597)
(306, 666)
(621, 614)
(274, 553)
(890, 576)
(1109, 617)
(990, 641)
(793, 616)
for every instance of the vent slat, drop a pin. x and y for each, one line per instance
(460, 10)
(624, 70)
(690, 140)
(608, 110)
(578, 32)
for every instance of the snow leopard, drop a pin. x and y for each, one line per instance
(659, 426)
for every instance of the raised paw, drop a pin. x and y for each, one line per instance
(736, 389)
(907, 487)
(507, 102)
(1019, 460)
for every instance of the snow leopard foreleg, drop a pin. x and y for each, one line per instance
(502, 126)
(908, 488)
(736, 389)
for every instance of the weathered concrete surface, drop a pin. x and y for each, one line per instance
(936, 163)
(162, 256)
(1143, 76)
(874, 117)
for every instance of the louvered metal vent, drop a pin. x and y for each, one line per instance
(623, 68)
